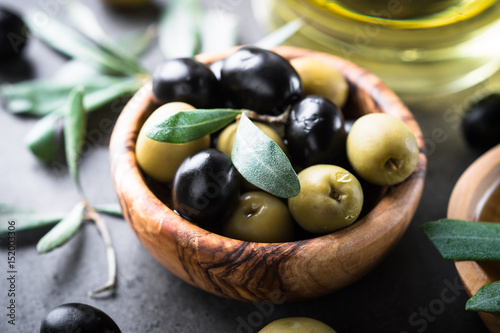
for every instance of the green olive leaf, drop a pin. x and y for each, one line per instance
(280, 35)
(96, 99)
(63, 231)
(179, 29)
(464, 240)
(20, 219)
(83, 19)
(110, 209)
(40, 97)
(74, 45)
(186, 126)
(140, 42)
(42, 138)
(262, 162)
(75, 121)
(486, 299)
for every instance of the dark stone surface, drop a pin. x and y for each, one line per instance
(411, 281)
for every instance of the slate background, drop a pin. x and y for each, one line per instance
(392, 298)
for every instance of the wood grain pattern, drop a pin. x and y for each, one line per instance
(467, 202)
(249, 271)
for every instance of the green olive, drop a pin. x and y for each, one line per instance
(297, 325)
(260, 217)
(318, 78)
(330, 198)
(226, 138)
(160, 160)
(382, 149)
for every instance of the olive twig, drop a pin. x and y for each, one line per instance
(280, 119)
(391, 164)
(110, 251)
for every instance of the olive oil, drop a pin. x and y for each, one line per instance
(415, 47)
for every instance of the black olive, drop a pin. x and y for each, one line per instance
(348, 125)
(216, 67)
(185, 80)
(206, 187)
(13, 34)
(315, 132)
(77, 317)
(481, 123)
(259, 80)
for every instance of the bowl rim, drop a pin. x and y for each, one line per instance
(405, 195)
(463, 197)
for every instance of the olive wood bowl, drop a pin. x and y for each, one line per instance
(250, 271)
(476, 197)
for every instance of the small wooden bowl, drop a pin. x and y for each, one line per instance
(475, 197)
(250, 271)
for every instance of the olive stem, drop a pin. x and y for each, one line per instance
(280, 119)
(110, 251)
(391, 164)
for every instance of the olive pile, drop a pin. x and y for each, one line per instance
(306, 95)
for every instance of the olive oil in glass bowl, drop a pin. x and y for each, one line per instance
(415, 47)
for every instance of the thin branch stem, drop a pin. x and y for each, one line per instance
(280, 119)
(110, 251)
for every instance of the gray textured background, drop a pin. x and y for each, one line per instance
(149, 298)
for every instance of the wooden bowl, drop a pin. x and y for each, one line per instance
(250, 271)
(475, 197)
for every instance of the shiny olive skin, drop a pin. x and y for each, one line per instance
(348, 125)
(216, 67)
(185, 80)
(382, 149)
(318, 78)
(297, 325)
(13, 34)
(481, 123)
(160, 160)
(259, 80)
(315, 132)
(260, 217)
(77, 317)
(330, 198)
(206, 187)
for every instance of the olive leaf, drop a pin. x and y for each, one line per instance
(186, 126)
(26, 219)
(82, 18)
(218, 30)
(179, 29)
(75, 121)
(464, 240)
(72, 44)
(280, 35)
(486, 299)
(110, 209)
(40, 97)
(140, 42)
(262, 162)
(63, 231)
(42, 138)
